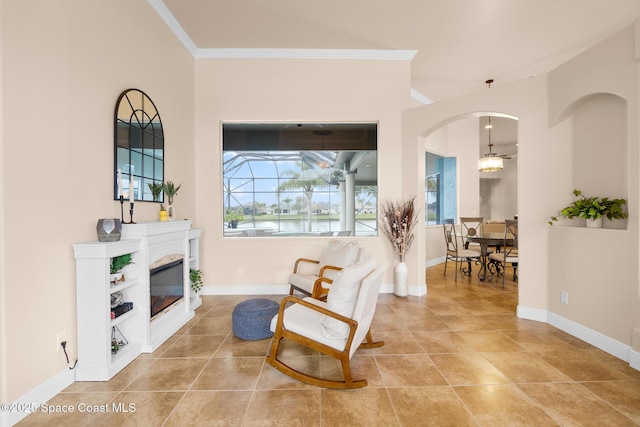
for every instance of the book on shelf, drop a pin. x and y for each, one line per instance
(121, 309)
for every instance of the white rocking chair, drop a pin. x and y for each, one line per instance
(336, 327)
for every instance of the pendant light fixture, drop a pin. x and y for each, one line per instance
(490, 162)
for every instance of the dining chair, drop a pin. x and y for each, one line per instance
(455, 249)
(509, 254)
(472, 226)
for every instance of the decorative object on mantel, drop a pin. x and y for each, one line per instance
(592, 209)
(399, 219)
(156, 189)
(163, 214)
(109, 229)
(117, 264)
(121, 196)
(171, 190)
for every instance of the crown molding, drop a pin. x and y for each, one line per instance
(420, 97)
(260, 53)
(171, 22)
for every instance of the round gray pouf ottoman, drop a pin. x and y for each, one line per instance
(252, 318)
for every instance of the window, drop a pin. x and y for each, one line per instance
(440, 188)
(290, 179)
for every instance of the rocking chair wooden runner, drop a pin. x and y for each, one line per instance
(313, 324)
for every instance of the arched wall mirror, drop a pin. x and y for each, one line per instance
(138, 147)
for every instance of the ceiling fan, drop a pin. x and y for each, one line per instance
(491, 153)
(491, 162)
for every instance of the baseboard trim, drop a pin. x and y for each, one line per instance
(435, 261)
(280, 289)
(529, 313)
(607, 344)
(595, 338)
(634, 360)
(37, 396)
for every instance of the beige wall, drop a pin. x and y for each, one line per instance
(598, 268)
(289, 90)
(64, 68)
(524, 100)
(594, 107)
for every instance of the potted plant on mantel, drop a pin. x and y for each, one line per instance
(592, 209)
(171, 190)
(156, 188)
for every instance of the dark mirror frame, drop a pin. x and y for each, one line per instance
(138, 147)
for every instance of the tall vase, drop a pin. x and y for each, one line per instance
(171, 213)
(400, 287)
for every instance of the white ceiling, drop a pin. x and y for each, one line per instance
(458, 44)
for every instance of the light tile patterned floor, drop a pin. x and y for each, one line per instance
(455, 357)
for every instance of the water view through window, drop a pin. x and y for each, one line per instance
(299, 179)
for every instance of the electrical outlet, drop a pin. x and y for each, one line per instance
(61, 336)
(564, 297)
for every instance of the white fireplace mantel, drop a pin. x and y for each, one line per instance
(159, 240)
(148, 243)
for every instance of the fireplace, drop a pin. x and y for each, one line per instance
(166, 286)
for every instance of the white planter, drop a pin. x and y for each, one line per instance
(594, 223)
(401, 288)
(171, 213)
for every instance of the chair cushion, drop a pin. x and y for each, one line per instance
(303, 281)
(501, 258)
(338, 253)
(307, 322)
(343, 296)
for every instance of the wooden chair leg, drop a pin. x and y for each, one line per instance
(370, 343)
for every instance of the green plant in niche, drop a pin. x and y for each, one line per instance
(120, 262)
(195, 276)
(156, 188)
(592, 208)
(171, 190)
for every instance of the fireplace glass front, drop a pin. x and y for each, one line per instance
(166, 286)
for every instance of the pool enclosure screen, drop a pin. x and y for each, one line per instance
(299, 179)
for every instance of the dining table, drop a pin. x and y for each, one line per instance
(486, 240)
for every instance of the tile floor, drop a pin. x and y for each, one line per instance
(455, 357)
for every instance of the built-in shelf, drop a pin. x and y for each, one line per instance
(123, 285)
(147, 243)
(124, 317)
